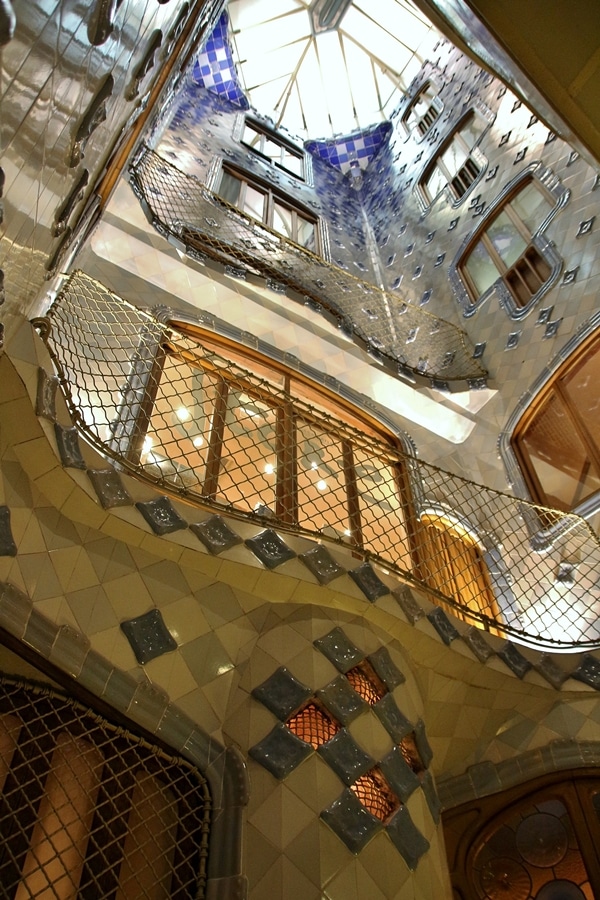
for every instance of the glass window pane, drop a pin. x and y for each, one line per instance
(177, 437)
(531, 206)
(229, 188)
(272, 150)
(508, 242)
(381, 513)
(254, 202)
(559, 457)
(435, 182)
(248, 472)
(454, 156)
(251, 136)
(472, 130)
(322, 501)
(582, 388)
(306, 233)
(481, 268)
(282, 220)
(292, 163)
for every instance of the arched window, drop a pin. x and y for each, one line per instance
(451, 562)
(557, 440)
(423, 110)
(458, 163)
(538, 841)
(88, 810)
(241, 432)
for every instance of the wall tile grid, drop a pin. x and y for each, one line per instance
(416, 247)
(202, 128)
(66, 101)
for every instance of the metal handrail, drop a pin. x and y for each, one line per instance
(412, 343)
(126, 374)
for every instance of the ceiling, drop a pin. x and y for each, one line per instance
(326, 67)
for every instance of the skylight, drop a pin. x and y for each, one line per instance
(322, 68)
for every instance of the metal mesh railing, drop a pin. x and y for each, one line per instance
(89, 810)
(174, 410)
(409, 339)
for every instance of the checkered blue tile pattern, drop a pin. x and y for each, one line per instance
(362, 146)
(215, 69)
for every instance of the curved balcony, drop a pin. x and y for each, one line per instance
(231, 433)
(410, 342)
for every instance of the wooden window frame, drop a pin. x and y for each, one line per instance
(529, 259)
(265, 134)
(458, 184)
(287, 421)
(553, 388)
(271, 198)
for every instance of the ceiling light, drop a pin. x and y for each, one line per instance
(322, 485)
(183, 414)
(198, 441)
(269, 469)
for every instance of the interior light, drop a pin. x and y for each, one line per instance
(314, 464)
(322, 485)
(183, 414)
(347, 532)
(269, 469)
(147, 444)
(198, 441)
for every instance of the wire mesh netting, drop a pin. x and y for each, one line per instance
(412, 339)
(169, 406)
(89, 810)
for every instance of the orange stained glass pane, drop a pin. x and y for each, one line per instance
(376, 795)
(410, 753)
(313, 726)
(366, 683)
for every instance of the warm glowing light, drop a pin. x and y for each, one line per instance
(198, 441)
(183, 414)
(322, 485)
(347, 532)
(147, 444)
(269, 469)
(314, 464)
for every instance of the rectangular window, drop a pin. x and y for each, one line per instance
(274, 148)
(423, 110)
(274, 210)
(455, 166)
(505, 249)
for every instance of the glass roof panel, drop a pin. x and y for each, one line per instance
(341, 80)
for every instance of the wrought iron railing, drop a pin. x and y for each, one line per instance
(175, 411)
(411, 342)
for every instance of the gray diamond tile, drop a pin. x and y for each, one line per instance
(216, 535)
(422, 743)
(339, 650)
(407, 838)
(443, 625)
(342, 700)
(386, 668)
(399, 774)
(551, 671)
(478, 645)
(45, 403)
(69, 450)
(408, 604)
(148, 636)
(7, 544)
(514, 659)
(282, 693)
(322, 565)
(161, 515)
(345, 757)
(588, 671)
(109, 487)
(280, 751)
(348, 818)
(369, 582)
(395, 722)
(270, 548)
(431, 795)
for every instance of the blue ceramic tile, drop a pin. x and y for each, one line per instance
(369, 582)
(352, 823)
(161, 515)
(280, 751)
(215, 534)
(342, 700)
(282, 693)
(270, 548)
(394, 721)
(69, 450)
(320, 562)
(400, 777)
(386, 668)
(215, 70)
(148, 636)
(407, 838)
(109, 488)
(345, 757)
(339, 650)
